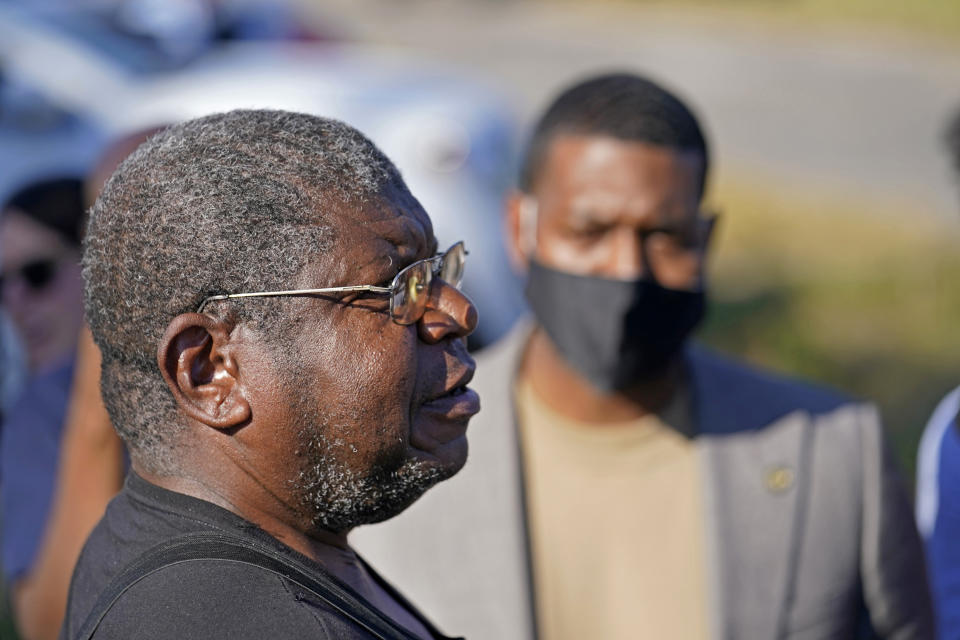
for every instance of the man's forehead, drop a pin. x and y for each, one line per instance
(375, 239)
(599, 172)
(403, 225)
(410, 236)
(588, 157)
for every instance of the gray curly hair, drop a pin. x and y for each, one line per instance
(223, 203)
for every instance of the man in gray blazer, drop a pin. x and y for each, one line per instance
(623, 483)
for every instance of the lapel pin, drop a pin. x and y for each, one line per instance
(779, 479)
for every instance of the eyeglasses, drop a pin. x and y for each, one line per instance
(37, 274)
(408, 291)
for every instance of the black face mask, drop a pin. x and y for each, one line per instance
(615, 333)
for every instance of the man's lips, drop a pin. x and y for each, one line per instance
(455, 406)
(456, 401)
(455, 385)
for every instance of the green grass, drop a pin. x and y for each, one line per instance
(863, 300)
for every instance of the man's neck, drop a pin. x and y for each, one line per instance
(569, 394)
(315, 545)
(326, 548)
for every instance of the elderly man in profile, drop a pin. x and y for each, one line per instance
(283, 355)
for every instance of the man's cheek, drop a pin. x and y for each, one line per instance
(388, 371)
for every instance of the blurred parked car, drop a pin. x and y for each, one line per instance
(450, 136)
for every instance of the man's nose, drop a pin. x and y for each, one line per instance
(625, 257)
(449, 314)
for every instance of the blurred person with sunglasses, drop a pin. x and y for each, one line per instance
(283, 353)
(41, 290)
(623, 482)
(91, 463)
(40, 283)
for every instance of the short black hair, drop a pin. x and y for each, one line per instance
(231, 202)
(625, 106)
(55, 203)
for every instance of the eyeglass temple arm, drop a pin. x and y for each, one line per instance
(292, 292)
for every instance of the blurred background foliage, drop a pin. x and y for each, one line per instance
(929, 17)
(863, 299)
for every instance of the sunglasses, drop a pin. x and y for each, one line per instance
(408, 291)
(37, 274)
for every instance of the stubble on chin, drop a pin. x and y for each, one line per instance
(338, 497)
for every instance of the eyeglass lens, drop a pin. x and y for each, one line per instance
(412, 288)
(36, 273)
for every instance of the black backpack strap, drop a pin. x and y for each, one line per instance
(217, 546)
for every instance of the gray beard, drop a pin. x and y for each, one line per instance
(339, 499)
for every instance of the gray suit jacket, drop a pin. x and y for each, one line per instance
(809, 527)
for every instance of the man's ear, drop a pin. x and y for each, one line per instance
(520, 228)
(202, 375)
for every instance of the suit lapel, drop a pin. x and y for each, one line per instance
(754, 465)
(505, 490)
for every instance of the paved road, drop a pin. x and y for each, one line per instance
(854, 115)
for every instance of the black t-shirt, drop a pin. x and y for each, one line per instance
(205, 599)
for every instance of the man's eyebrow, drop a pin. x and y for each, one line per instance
(390, 263)
(383, 267)
(589, 213)
(669, 226)
(402, 262)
